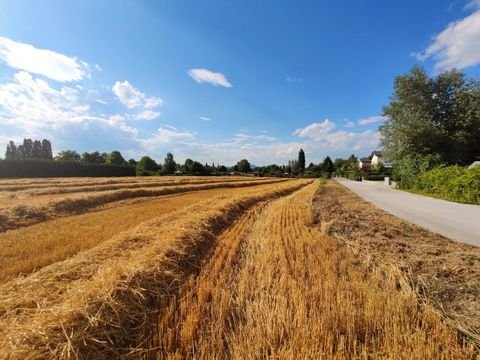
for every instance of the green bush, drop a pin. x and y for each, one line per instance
(374, 176)
(408, 168)
(50, 168)
(453, 183)
(355, 175)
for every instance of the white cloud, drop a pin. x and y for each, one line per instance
(204, 118)
(147, 115)
(372, 120)
(316, 130)
(131, 97)
(458, 45)
(38, 109)
(350, 124)
(473, 4)
(210, 77)
(44, 62)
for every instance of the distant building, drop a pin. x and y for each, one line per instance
(474, 165)
(365, 163)
(377, 158)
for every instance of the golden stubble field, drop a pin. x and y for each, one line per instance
(226, 268)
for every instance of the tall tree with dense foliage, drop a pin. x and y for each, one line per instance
(244, 166)
(94, 157)
(169, 164)
(436, 117)
(29, 150)
(115, 158)
(11, 152)
(47, 150)
(301, 161)
(146, 166)
(327, 165)
(68, 155)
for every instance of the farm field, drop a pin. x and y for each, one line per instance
(212, 268)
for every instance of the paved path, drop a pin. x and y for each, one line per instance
(460, 222)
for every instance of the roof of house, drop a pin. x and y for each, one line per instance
(474, 165)
(365, 159)
(378, 153)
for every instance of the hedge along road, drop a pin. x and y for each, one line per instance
(460, 222)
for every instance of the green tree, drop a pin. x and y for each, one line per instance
(327, 165)
(47, 150)
(11, 152)
(188, 166)
(37, 149)
(68, 155)
(301, 161)
(132, 162)
(437, 117)
(115, 158)
(243, 166)
(146, 166)
(94, 157)
(169, 164)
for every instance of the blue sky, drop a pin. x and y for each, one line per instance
(219, 80)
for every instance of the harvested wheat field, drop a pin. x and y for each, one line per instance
(444, 273)
(204, 268)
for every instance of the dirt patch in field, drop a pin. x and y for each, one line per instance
(444, 273)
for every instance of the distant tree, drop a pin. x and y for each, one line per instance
(197, 168)
(146, 166)
(68, 155)
(47, 150)
(94, 157)
(37, 150)
(11, 152)
(327, 165)
(243, 166)
(301, 161)
(169, 164)
(188, 166)
(132, 163)
(115, 158)
(27, 149)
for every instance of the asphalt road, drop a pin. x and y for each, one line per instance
(460, 222)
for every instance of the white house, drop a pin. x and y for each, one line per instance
(364, 163)
(377, 158)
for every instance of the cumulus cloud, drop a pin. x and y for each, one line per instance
(43, 62)
(372, 120)
(131, 97)
(458, 45)
(316, 130)
(350, 124)
(37, 109)
(210, 77)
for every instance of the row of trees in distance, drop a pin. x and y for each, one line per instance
(42, 150)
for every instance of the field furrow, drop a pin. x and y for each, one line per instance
(292, 292)
(95, 304)
(40, 208)
(28, 249)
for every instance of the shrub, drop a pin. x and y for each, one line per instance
(34, 168)
(453, 183)
(407, 169)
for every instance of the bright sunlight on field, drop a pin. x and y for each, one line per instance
(197, 268)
